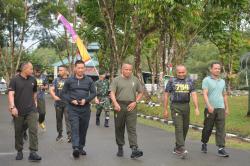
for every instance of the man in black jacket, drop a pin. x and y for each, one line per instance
(78, 91)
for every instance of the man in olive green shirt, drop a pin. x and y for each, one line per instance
(126, 91)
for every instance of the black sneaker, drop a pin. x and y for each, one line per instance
(59, 137)
(120, 151)
(204, 148)
(19, 155)
(180, 151)
(97, 121)
(34, 157)
(136, 153)
(76, 153)
(83, 152)
(25, 136)
(106, 123)
(222, 153)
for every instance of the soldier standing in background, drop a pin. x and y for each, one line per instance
(102, 99)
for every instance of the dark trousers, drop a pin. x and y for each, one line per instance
(103, 106)
(20, 123)
(180, 113)
(216, 118)
(125, 118)
(99, 111)
(79, 122)
(41, 107)
(61, 110)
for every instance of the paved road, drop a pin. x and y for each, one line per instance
(101, 149)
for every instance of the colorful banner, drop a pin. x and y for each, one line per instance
(82, 49)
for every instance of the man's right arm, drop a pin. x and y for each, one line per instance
(53, 94)
(52, 90)
(116, 104)
(165, 104)
(205, 96)
(11, 98)
(113, 97)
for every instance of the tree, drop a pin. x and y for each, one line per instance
(225, 31)
(14, 25)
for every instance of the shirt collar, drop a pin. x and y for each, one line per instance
(214, 79)
(23, 77)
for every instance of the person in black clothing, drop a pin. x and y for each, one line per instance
(22, 106)
(78, 91)
(42, 86)
(60, 104)
(180, 89)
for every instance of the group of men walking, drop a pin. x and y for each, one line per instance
(179, 89)
(72, 96)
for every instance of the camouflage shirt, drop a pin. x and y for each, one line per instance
(102, 88)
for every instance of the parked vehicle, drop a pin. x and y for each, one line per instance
(3, 88)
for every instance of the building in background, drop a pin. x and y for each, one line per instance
(92, 65)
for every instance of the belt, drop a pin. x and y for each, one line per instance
(124, 102)
(179, 102)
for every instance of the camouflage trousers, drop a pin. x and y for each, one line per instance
(104, 105)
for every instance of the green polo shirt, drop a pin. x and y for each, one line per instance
(216, 88)
(125, 89)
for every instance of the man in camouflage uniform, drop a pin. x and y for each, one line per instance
(102, 99)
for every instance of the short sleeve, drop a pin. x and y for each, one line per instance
(169, 86)
(54, 82)
(139, 86)
(225, 87)
(35, 86)
(205, 84)
(45, 81)
(113, 85)
(12, 85)
(192, 86)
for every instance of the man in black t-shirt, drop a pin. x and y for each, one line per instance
(179, 89)
(22, 106)
(60, 104)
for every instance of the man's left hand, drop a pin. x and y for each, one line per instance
(197, 112)
(226, 112)
(131, 106)
(82, 102)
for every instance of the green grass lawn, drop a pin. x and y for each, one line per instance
(236, 122)
(196, 135)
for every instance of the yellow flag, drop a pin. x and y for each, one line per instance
(83, 51)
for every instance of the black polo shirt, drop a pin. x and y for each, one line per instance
(24, 90)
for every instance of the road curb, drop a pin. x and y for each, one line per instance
(192, 126)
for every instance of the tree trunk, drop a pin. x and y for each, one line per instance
(107, 11)
(163, 51)
(137, 58)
